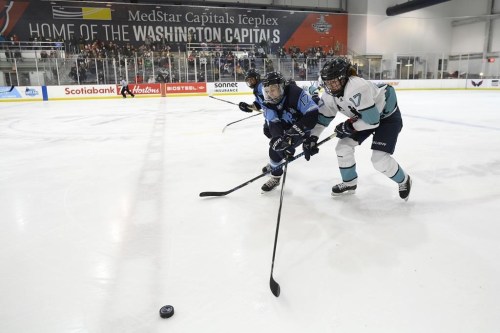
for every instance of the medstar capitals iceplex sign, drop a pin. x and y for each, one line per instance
(206, 27)
(177, 25)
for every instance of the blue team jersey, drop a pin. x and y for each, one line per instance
(297, 107)
(259, 94)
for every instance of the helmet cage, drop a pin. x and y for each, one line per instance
(334, 75)
(252, 78)
(274, 87)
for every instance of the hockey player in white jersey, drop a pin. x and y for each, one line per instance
(371, 109)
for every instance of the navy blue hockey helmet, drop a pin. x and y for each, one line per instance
(334, 75)
(274, 87)
(252, 77)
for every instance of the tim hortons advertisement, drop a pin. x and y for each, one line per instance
(142, 89)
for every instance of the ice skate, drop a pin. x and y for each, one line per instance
(343, 189)
(271, 184)
(404, 189)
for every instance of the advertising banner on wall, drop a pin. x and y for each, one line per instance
(172, 25)
(229, 88)
(83, 91)
(151, 89)
(21, 93)
(186, 88)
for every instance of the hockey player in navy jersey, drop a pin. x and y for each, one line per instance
(371, 109)
(253, 81)
(290, 114)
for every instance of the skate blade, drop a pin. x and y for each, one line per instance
(408, 196)
(348, 192)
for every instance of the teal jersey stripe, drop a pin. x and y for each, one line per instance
(390, 102)
(323, 120)
(370, 115)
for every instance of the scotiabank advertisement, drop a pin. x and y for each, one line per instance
(84, 91)
(102, 91)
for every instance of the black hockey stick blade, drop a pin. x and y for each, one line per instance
(275, 287)
(223, 100)
(237, 121)
(223, 193)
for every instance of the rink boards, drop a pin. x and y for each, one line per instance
(45, 93)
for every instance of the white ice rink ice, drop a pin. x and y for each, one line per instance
(102, 223)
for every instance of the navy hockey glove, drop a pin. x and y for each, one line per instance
(244, 107)
(310, 147)
(296, 132)
(283, 145)
(257, 105)
(345, 129)
(266, 131)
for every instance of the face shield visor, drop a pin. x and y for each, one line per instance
(334, 87)
(273, 93)
(251, 81)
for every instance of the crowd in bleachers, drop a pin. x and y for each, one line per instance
(217, 60)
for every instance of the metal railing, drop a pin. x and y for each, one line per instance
(49, 63)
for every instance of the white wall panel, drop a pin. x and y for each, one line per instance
(468, 38)
(495, 33)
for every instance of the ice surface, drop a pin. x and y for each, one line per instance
(101, 222)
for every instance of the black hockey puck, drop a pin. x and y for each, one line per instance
(167, 311)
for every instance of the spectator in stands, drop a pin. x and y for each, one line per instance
(2, 39)
(100, 78)
(43, 55)
(8, 54)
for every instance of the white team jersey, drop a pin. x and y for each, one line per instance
(362, 100)
(123, 83)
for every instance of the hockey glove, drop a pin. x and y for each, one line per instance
(256, 105)
(266, 131)
(244, 107)
(283, 145)
(296, 132)
(345, 129)
(310, 147)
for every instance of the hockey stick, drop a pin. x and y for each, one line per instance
(222, 100)
(237, 121)
(7, 91)
(275, 287)
(233, 104)
(220, 194)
